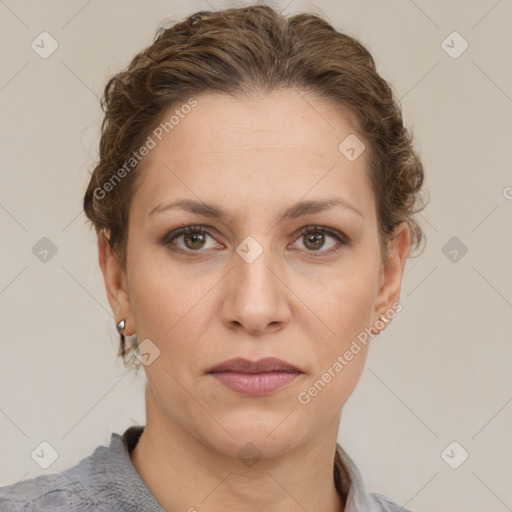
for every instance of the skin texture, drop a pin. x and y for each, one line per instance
(255, 158)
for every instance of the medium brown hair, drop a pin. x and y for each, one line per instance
(243, 52)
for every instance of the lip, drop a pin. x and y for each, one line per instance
(255, 378)
(268, 364)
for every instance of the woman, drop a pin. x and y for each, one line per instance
(254, 202)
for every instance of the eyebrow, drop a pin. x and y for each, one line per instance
(297, 210)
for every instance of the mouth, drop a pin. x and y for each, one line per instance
(255, 378)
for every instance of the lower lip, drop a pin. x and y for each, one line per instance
(255, 384)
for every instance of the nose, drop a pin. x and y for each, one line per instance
(255, 298)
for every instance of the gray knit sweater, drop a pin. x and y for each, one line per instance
(107, 480)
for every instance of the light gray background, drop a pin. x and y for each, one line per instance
(440, 373)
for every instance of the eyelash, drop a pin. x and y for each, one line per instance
(338, 236)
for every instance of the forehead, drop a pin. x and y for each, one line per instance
(221, 123)
(277, 146)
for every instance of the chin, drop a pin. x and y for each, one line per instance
(258, 435)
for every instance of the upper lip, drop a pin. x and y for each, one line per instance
(268, 364)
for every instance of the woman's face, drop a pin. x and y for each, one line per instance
(255, 285)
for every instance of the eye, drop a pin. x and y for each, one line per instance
(316, 238)
(189, 238)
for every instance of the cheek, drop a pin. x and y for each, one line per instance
(342, 300)
(162, 295)
(324, 395)
(345, 303)
(173, 308)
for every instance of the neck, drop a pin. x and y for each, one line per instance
(184, 473)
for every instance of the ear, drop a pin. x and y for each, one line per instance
(116, 285)
(392, 272)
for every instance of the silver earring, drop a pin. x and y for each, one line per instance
(383, 319)
(120, 326)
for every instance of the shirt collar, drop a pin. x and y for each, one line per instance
(347, 478)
